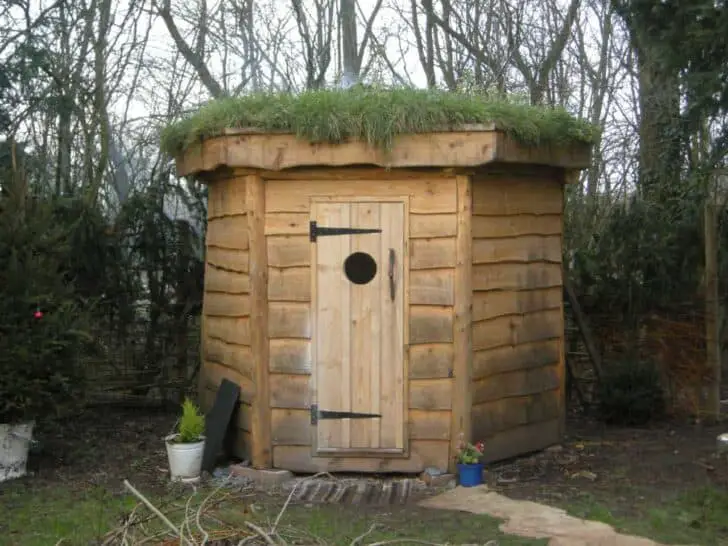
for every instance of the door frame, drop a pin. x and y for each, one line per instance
(313, 393)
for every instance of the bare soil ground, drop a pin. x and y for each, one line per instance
(628, 466)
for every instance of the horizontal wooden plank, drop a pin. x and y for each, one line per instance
(287, 223)
(237, 357)
(499, 415)
(217, 304)
(432, 361)
(510, 358)
(429, 425)
(423, 454)
(289, 320)
(290, 356)
(516, 276)
(429, 226)
(213, 373)
(430, 394)
(511, 194)
(426, 195)
(291, 427)
(518, 383)
(220, 280)
(525, 171)
(288, 250)
(225, 258)
(429, 324)
(517, 329)
(241, 419)
(432, 287)
(226, 197)
(289, 391)
(290, 284)
(432, 253)
(530, 248)
(520, 440)
(228, 232)
(356, 173)
(229, 329)
(499, 303)
(516, 225)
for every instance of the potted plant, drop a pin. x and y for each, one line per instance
(186, 446)
(470, 463)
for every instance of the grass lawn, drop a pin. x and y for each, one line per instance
(35, 516)
(42, 516)
(698, 516)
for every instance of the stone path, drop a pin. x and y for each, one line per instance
(529, 519)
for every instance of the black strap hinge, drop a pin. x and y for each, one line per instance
(321, 231)
(317, 414)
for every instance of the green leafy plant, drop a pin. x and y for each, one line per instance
(630, 393)
(191, 425)
(468, 453)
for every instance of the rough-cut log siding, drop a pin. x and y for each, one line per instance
(226, 350)
(517, 315)
(432, 226)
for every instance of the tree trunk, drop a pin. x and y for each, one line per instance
(711, 408)
(347, 14)
(659, 128)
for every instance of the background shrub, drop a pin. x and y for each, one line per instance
(630, 393)
(44, 324)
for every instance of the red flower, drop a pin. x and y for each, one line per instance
(38, 314)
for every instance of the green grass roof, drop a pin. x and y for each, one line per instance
(375, 116)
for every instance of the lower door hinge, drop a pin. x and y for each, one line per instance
(317, 414)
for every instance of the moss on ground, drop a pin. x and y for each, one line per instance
(376, 116)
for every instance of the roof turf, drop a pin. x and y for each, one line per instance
(376, 116)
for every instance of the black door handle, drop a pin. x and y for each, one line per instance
(391, 273)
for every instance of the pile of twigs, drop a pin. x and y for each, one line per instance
(195, 529)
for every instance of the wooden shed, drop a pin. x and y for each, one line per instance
(373, 304)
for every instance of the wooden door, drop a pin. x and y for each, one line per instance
(359, 344)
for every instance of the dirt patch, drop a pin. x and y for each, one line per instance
(102, 447)
(629, 468)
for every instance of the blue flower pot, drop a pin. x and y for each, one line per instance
(470, 475)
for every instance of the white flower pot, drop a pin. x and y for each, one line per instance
(14, 445)
(185, 460)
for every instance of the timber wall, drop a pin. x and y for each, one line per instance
(517, 314)
(226, 342)
(517, 318)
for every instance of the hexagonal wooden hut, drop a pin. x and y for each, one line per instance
(373, 304)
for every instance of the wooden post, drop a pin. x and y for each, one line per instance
(712, 312)
(462, 399)
(262, 456)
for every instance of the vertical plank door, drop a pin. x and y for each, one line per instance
(359, 343)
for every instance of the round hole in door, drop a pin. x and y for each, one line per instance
(360, 267)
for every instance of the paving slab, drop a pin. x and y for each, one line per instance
(533, 520)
